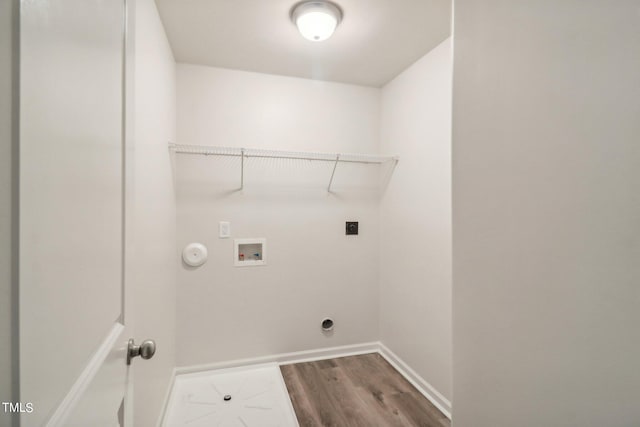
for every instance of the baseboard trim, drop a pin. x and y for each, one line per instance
(427, 390)
(287, 358)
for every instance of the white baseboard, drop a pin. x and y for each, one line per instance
(287, 358)
(427, 390)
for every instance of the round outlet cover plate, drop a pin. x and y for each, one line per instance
(195, 254)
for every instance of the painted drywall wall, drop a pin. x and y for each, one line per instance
(415, 217)
(314, 270)
(546, 185)
(152, 263)
(7, 194)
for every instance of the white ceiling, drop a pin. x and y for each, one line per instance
(376, 40)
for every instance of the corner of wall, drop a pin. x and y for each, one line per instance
(154, 273)
(15, 206)
(9, 176)
(415, 242)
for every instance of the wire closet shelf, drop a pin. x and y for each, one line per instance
(246, 153)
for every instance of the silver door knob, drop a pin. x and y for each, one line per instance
(146, 350)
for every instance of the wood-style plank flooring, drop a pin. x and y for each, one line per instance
(358, 391)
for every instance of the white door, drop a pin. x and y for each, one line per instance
(73, 322)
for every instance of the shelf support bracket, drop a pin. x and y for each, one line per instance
(335, 165)
(242, 168)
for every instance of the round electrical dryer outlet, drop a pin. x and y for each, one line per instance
(327, 324)
(195, 254)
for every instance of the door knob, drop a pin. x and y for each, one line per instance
(146, 350)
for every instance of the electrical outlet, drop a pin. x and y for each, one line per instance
(352, 228)
(224, 229)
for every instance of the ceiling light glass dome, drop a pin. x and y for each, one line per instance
(316, 20)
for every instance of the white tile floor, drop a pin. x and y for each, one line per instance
(258, 398)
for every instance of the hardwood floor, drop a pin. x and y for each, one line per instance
(358, 391)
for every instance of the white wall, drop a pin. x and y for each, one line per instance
(7, 218)
(546, 185)
(153, 265)
(313, 269)
(415, 217)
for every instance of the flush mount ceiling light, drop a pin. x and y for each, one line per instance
(316, 20)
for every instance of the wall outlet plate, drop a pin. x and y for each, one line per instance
(352, 228)
(224, 229)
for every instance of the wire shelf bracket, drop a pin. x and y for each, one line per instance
(333, 172)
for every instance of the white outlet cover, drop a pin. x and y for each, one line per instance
(224, 229)
(195, 254)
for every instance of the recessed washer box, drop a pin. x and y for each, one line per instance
(250, 252)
